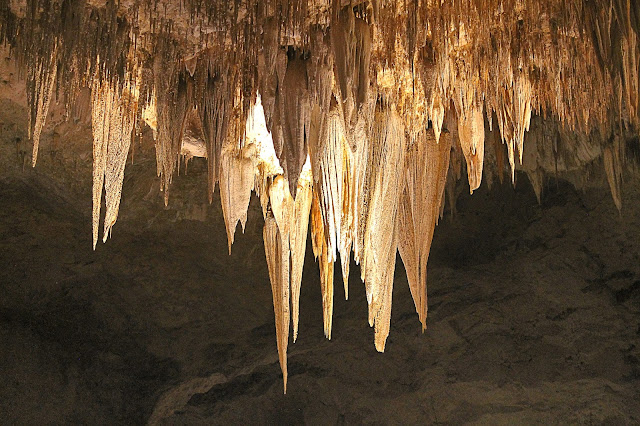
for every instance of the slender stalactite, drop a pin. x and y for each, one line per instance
(285, 248)
(42, 78)
(277, 250)
(298, 242)
(321, 252)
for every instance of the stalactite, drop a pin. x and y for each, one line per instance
(272, 65)
(321, 252)
(276, 248)
(425, 174)
(471, 134)
(351, 45)
(285, 254)
(293, 118)
(100, 114)
(214, 104)
(172, 103)
(347, 221)
(332, 225)
(42, 78)
(298, 242)
(380, 183)
(113, 117)
(327, 169)
(237, 171)
(514, 118)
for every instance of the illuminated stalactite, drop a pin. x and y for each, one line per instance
(321, 252)
(236, 183)
(425, 175)
(214, 104)
(298, 243)
(285, 238)
(381, 161)
(471, 134)
(276, 249)
(113, 118)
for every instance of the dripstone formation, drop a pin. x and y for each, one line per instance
(355, 118)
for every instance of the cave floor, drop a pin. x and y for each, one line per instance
(534, 317)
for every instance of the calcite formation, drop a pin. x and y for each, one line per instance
(354, 117)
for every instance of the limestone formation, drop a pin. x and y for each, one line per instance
(353, 116)
(425, 175)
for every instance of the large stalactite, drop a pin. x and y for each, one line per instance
(352, 117)
(425, 174)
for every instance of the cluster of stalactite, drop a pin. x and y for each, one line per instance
(372, 111)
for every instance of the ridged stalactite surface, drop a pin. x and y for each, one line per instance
(113, 120)
(425, 175)
(354, 119)
(471, 134)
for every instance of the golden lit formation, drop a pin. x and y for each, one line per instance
(354, 117)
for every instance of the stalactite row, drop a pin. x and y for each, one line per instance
(62, 46)
(372, 110)
(172, 105)
(517, 60)
(113, 115)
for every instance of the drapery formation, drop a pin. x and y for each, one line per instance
(372, 110)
